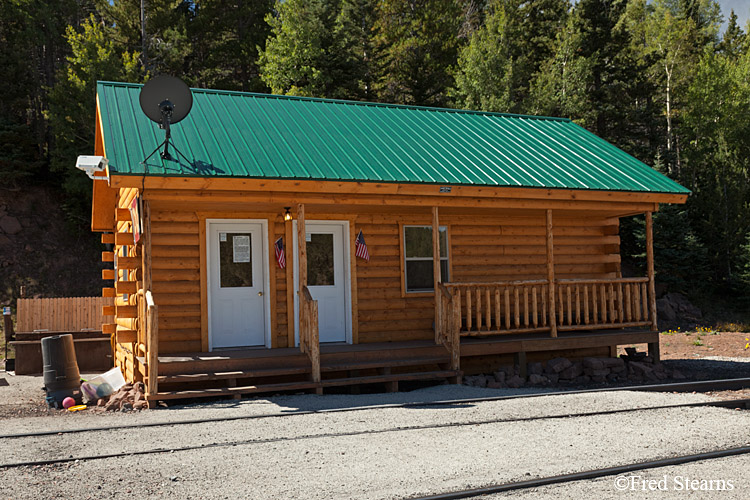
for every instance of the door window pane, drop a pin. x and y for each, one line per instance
(320, 260)
(235, 260)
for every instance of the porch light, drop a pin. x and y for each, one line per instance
(287, 214)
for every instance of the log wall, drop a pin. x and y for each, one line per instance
(481, 249)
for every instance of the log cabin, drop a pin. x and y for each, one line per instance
(418, 243)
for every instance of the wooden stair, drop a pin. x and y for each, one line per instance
(258, 371)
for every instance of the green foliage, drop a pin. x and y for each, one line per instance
(319, 48)
(226, 37)
(717, 158)
(496, 68)
(417, 42)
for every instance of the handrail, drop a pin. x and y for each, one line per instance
(522, 306)
(309, 337)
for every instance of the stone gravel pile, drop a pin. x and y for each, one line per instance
(635, 367)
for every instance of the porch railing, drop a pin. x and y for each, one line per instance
(506, 307)
(500, 307)
(308, 333)
(602, 303)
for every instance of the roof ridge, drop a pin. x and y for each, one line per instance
(351, 102)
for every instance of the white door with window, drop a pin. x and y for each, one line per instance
(237, 283)
(327, 278)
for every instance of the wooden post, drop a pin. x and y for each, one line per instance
(152, 343)
(289, 283)
(551, 275)
(151, 319)
(436, 268)
(301, 258)
(653, 348)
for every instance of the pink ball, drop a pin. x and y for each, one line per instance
(68, 402)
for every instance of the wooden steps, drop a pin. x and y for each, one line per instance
(261, 373)
(395, 377)
(365, 365)
(255, 371)
(234, 391)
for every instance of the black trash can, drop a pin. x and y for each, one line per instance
(61, 376)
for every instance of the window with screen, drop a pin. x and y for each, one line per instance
(418, 258)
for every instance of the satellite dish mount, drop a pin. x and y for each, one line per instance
(166, 100)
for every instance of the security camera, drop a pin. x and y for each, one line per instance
(91, 164)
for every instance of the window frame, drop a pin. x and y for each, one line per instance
(403, 259)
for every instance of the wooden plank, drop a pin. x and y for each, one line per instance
(122, 215)
(550, 274)
(129, 287)
(124, 238)
(108, 238)
(108, 256)
(353, 263)
(488, 309)
(361, 188)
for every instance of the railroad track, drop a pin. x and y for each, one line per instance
(739, 403)
(590, 474)
(707, 385)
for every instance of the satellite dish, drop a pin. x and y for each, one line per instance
(166, 100)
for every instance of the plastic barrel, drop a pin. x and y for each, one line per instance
(61, 375)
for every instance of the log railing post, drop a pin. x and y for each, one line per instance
(551, 275)
(152, 342)
(436, 269)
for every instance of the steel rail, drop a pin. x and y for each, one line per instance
(739, 403)
(709, 385)
(591, 474)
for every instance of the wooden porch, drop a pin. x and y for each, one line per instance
(255, 371)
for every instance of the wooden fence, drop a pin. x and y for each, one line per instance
(67, 314)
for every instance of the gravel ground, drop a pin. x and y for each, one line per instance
(307, 462)
(664, 483)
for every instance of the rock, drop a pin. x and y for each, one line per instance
(126, 406)
(640, 369)
(557, 365)
(572, 372)
(677, 375)
(613, 363)
(647, 359)
(553, 378)
(583, 379)
(660, 375)
(495, 385)
(141, 405)
(515, 382)
(489, 379)
(676, 307)
(4, 240)
(597, 373)
(480, 381)
(499, 377)
(536, 379)
(535, 368)
(598, 379)
(612, 377)
(101, 402)
(10, 225)
(593, 363)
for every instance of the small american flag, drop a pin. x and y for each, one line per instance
(360, 247)
(280, 256)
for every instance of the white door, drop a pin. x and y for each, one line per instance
(236, 284)
(327, 278)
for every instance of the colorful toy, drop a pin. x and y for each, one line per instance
(68, 402)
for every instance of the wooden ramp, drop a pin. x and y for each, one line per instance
(256, 371)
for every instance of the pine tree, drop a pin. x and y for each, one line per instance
(225, 37)
(734, 40)
(417, 41)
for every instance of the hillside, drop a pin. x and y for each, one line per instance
(42, 250)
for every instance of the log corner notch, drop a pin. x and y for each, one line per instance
(653, 348)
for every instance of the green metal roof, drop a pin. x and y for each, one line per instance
(236, 134)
